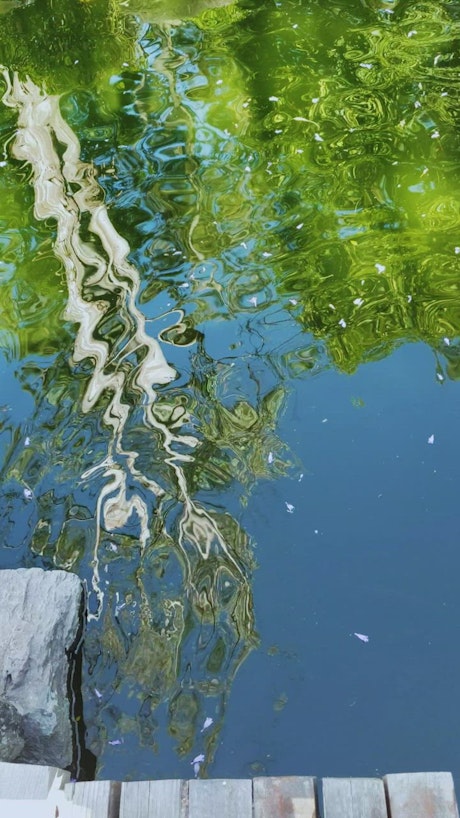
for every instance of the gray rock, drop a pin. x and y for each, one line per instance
(11, 732)
(40, 619)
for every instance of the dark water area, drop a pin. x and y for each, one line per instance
(229, 358)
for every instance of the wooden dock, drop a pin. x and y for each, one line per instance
(28, 791)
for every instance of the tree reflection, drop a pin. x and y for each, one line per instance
(260, 171)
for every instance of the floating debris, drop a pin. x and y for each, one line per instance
(196, 763)
(430, 439)
(207, 723)
(290, 508)
(363, 637)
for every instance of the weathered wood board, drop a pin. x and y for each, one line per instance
(287, 797)
(28, 780)
(421, 795)
(99, 798)
(220, 798)
(354, 798)
(155, 799)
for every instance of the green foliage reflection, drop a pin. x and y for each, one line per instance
(287, 174)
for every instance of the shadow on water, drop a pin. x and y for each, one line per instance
(196, 217)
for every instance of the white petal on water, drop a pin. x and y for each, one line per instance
(380, 268)
(324, 420)
(197, 761)
(28, 494)
(253, 301)
(362, 636)
(98, 693)
(409, 299)
(331, 306)
(207, 723)
(299, 226)
(293, 301)
(273, 99)
(318, 138)
(115, 742)
(457, 251)
(446, 341)
(343, 323)
(27, 441)
(290, 508)
(270, 457)
(267, 255)
(358, 301)
(431, 439)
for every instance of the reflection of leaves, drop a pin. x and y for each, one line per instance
(360, 153)
(239, 440)
(65, 43)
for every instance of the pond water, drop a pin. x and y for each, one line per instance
(229, 336)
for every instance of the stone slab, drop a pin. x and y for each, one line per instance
(422, 795)
(29, 780)
(285, 797)
(155, 799)
(354, 798)
(220, 798)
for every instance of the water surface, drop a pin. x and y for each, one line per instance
(249, 451)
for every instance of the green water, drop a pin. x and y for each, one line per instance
(286, 176)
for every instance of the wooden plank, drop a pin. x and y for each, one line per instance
(287, 797)
(220, 798)
(101, 799)
(41, 808)
(19, 781)
(153, 799)
(422, 795)
(355, 798)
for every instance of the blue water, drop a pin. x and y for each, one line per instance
(286, 177)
